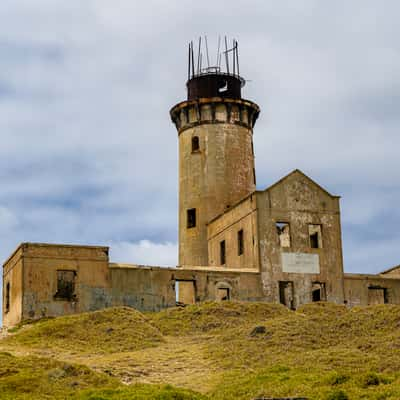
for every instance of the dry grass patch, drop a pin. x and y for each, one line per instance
(107, 331)
(212, 317)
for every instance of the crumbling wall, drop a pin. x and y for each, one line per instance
(237, 227)
(12, 289)
(154, 288)
(48, 269)
(300, 242)
(363, 290)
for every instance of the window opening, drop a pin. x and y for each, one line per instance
(7, 297)
(240, 242)
(318, 292)
(223, 294)
(316, 295)
(191, 218)
(315, 235)
(283, 231)
(222, 249)
(65, 285)
(195, 144)
(286, 294)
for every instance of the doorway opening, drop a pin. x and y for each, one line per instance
(286, 294)
(185, 292)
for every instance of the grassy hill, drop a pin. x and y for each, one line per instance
(216, 351)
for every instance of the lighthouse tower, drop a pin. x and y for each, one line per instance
(216, 157)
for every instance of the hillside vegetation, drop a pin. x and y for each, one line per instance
(210, 351)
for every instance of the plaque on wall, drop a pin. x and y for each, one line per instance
(300, 263)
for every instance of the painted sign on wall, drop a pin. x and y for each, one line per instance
(301, 263)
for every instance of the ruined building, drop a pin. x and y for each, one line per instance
(281, 244)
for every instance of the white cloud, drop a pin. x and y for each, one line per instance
(89, 154)
(145, 252)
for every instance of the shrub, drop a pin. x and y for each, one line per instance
(369, 379)
(337, 395)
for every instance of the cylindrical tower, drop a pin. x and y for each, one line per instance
(216, 158)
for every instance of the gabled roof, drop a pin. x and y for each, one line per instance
(297, 171)
(386, 271)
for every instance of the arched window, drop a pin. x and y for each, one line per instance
(195, 144)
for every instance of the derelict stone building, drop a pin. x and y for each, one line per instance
(282, 244)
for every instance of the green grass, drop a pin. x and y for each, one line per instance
(38, 378)
(213, 317)
(142, 392)
(44, 378)
(321, 351)
(108, 331)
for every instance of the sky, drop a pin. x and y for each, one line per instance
(88, 153)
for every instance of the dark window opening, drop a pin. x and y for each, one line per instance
(318, 292)
(191, 218)
(283, 231)
(316, 295)
(222, 254)
(315, 235)
(286, 294)
(240, 242)
(195, 143)
(7, 305)
(223, 294)
(314, 242)
(254, 176)
(65, 285)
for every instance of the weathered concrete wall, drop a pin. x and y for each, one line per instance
(241, 217)
(12, 276)
(216, 175)
(359, 289)
(153, 288)
(33, 272)
(299, 202)
(41, 263)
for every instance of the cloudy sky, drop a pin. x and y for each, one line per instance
(88, 153)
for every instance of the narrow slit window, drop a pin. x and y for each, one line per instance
(315, 235)
(195, 144)
(222, 249)
(283, 231)
(240, 242)
(7, 305)
(191, 218)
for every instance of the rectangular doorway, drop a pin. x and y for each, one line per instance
(318, 292)
(377, 295)
(185, 292)
(223, 294)
(286, 294)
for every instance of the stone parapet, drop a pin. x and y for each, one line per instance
(189, 114)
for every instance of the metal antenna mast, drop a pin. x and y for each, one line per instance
(204, 65)
(208, 58)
